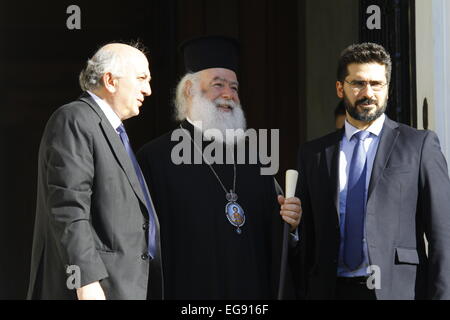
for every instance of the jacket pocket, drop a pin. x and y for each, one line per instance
(106, 252)
(406, 256)
(398, 169)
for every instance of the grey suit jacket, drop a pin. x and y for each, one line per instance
(91, 214)
(408, 198)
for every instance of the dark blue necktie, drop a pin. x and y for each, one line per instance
(140, 176)
(356, 204)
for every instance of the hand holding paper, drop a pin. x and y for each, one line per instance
(291, 209)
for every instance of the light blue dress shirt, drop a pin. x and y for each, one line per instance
(345, 156)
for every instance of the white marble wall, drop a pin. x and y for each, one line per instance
(433, 67)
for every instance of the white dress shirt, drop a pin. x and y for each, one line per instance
(345, 156)
(112, 117)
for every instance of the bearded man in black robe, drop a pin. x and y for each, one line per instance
(221, 221)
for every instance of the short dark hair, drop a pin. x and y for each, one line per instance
(366, 52)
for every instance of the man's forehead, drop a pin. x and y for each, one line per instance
(141, 60)
(372, 70)
(139, 63)
(219, 74)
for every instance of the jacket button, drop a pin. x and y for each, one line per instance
(145, 226)
(144, 256)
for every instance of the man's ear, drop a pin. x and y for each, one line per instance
(109, 82)
(188, 89)
(339, 90)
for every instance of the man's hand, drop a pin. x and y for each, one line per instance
(92, 291)
(291, 211)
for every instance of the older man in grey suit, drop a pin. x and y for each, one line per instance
(96, 230)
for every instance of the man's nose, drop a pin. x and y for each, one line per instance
(227, 93)
(367, 91)
(147, 90)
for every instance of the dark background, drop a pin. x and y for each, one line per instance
(40, 60)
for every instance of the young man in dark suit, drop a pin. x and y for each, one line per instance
(370, 193)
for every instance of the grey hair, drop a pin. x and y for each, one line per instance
(180, 100)
(104, 61)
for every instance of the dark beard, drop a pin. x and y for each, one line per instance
(364, 115)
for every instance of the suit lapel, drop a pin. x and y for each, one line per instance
(332, 158)
(388, 138)
(117, 147)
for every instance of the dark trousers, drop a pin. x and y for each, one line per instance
(354, 289)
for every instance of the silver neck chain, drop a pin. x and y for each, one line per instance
(212, 169)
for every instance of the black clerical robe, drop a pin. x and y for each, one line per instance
(203, 255)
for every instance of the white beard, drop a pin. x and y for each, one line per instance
(211, 117)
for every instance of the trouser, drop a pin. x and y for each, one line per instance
(354, 289)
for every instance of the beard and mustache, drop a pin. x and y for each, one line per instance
(365, 115)
(212, 117)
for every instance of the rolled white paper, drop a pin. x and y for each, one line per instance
(291, 183)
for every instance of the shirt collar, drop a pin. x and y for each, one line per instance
(375, 128)
(112, 117)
